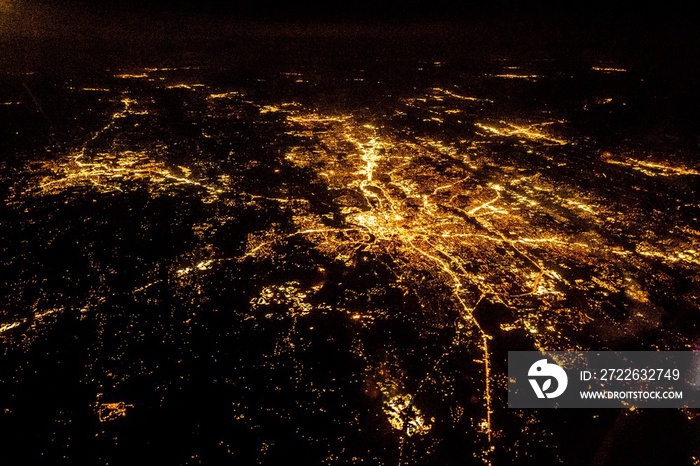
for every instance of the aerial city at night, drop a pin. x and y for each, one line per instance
(242, 242)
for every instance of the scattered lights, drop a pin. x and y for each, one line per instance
(449, 93)
(288, 296)
(38, 318)
(531, 132)
(580, 205)
(108, 412)
(270, 109)
(201, 266)
(120, 171)
(636, 293)
(189, 87)
(131, 76)
(689, 256)
(649, 168)
(109, 173)
(404, 416)
(225, 95)
(529, 77)
(605, 69)
(205, 265)
(10, 326)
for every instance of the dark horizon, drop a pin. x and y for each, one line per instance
(71, 17)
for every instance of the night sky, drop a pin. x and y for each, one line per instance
(413, 9)
(550, 13)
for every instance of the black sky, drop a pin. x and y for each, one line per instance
(607, 24)
(388, 10)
